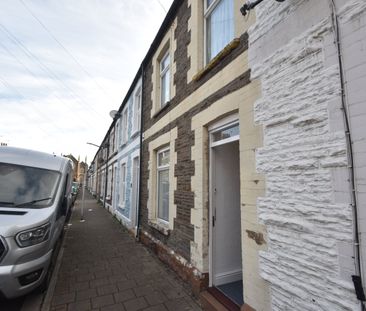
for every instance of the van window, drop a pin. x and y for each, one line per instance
(24, 186)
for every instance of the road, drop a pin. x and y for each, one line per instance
(11, 305)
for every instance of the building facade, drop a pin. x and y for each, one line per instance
(115, 170)
(199, 184)
(251, 174)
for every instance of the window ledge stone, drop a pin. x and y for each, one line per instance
(225, 51)
(159, 227)
(161, 109)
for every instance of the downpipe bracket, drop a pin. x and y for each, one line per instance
(251, 5)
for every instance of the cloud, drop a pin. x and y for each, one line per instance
(55, 100)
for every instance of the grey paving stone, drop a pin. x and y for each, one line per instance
(135, 304)
(179, 304)
(143, 290)
(115, 307)
(156, 298)
(63, 299)
(126, 284)
(156, 308)
(99, 282)
(80, 306)
(124, 295)
(102, 301)
(59, 308)
(107, 289)
(86, 294)
(75, 286)
(174, 293)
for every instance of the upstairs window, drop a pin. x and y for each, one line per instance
(116, 135)
(136, 110)
(164, 80)
(219, 26)
(124, 127)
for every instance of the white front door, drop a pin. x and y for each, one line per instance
(135, 189)
(225, 225)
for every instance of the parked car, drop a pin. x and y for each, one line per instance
(35, 198)
(74, 190)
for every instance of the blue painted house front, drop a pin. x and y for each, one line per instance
(115, 169)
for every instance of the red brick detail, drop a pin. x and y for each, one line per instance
(186, 273)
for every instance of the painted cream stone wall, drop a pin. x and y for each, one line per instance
(256, 291)
(305, 206)
(167, 139)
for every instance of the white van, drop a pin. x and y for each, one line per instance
(35, 198)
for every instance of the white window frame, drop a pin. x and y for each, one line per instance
(164, 72)
(160, 169)
(124, 127)
(123, 178)
(109, 183)
(116, 135)
(137, 100)
(207, 12)
(111, 142)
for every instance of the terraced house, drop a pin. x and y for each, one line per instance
(252, 175)
(199, 183)
(115, 172)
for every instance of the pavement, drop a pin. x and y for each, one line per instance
(102, 267)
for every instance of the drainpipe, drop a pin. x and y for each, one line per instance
(106, 145)
(140, 166)
(357, 278)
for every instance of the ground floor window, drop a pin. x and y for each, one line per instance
(122, 195)
(163, 183)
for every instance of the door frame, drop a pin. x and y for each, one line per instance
(217, 126)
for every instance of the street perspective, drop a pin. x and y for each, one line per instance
(183, 155)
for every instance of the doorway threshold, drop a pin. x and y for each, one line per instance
(234, 291)
(226, 301)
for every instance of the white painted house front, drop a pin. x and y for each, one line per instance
(308, 207)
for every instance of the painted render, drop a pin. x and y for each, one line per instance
(306, 206)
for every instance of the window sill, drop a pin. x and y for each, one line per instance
(123, 144)
(159, 227)
(225, 51)
(160, 110)
(135, 133)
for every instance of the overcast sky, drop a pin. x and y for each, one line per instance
(65, 64)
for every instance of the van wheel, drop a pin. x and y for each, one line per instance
(47, 278)
(45, 283)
